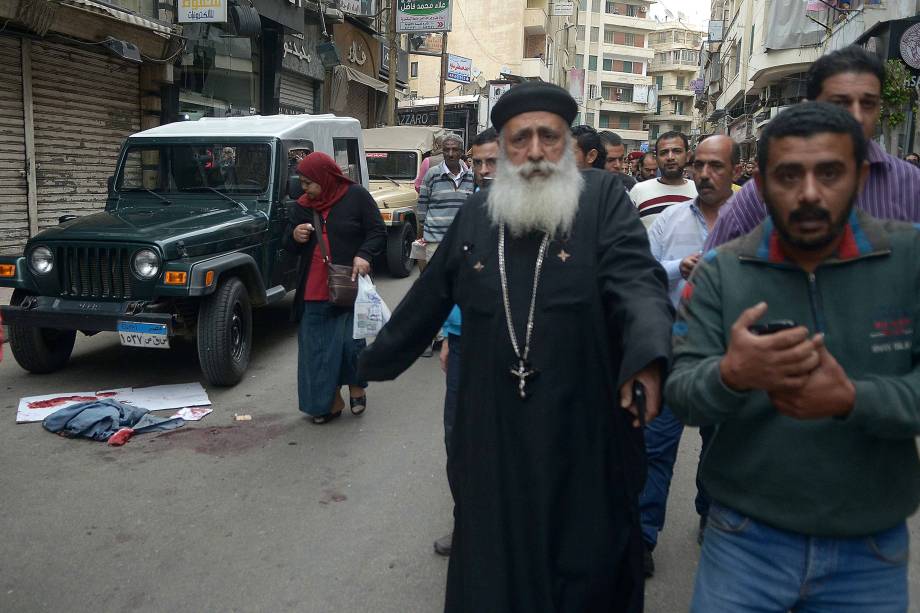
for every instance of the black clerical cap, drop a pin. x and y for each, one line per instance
(534, 96)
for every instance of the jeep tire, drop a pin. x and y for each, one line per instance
(399, 247)
(40, 350)
(225, 333)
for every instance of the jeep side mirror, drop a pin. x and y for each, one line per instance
(64, 218)
(294, 189)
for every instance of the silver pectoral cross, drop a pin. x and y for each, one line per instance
(523, 372)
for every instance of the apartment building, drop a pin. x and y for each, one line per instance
(755, 61)
(613, 47)
(518, 39)
(674, 66)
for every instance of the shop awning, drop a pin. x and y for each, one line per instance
(363, 79)
(125, 16)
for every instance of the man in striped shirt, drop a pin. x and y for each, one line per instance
(443, 191)
(851, 78)
(655, 195)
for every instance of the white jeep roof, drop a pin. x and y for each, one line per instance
(280, 126)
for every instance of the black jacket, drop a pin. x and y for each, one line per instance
(354, 226)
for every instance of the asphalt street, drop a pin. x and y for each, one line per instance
(272, 514)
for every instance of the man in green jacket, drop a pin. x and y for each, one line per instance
(813, 468)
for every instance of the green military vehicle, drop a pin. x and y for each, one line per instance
(189, 242)
(394, 158)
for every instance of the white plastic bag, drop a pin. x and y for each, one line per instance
(371, 312)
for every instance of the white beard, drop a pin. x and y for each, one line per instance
(541, 203)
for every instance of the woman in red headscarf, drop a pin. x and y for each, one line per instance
(354, 234)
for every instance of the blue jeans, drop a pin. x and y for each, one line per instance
(662, 438)
(749, 567)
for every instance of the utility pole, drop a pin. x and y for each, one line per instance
(391, 67)
(443, 79)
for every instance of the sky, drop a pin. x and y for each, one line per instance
(697, 11)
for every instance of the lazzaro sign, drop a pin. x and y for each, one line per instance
(423, 16)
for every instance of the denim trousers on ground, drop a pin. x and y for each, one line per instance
(662, 438)
(327, 356)
(749, 567)
(453, 388)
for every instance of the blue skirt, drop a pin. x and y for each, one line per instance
(327, 356)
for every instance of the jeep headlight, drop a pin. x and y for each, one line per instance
(146, 264)
(41, 260)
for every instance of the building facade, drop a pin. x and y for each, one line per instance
(613, 47)
(518, 40)
(755, 60)
(673, 69)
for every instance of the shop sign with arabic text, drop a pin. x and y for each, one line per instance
(423, 16)
(202, 11)
(459, 69)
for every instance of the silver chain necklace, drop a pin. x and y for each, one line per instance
(523, 371)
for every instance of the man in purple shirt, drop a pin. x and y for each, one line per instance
(851, 78)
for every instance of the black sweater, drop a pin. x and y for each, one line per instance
(354, 227)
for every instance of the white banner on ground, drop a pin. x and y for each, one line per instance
(156, 398)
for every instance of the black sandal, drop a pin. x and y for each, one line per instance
(325, 419)
(358, 405)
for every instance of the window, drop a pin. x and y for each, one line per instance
(624, 122)
(653, 132)
(632, 10)
(595, 6)
(688, 56)
(592, 92)
(579, 61)
(608, 64)
(581, 32)
(595, 33)
(627, 66)
(630, 39)
(659, 82)
(624, 94)
(592, 62)
(606, 94)
(589, 119)
(414, 69)
(608, 35)
(680, 82)
(679, 107)
(658, 110)
(345, 152)
(611, 9)
(604, 121)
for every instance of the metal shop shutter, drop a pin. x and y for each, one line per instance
(297, 93)
(14, 208)
(85, 105)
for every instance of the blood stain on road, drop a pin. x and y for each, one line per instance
(220, 440)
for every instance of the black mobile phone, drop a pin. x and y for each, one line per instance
(772, 327)
(639, 397)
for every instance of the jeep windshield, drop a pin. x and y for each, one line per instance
(235, 170)
(386, 165)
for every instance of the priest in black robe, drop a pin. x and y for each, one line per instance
(548, 456)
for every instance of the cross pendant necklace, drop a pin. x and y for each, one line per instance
(524, 371)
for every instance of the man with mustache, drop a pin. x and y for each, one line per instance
(565, 313)
(800, 343)
(653, 196)
(676, 238)
(851, 78)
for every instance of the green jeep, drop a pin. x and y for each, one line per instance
(189, 242)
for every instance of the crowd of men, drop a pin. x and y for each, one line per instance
(772, 304)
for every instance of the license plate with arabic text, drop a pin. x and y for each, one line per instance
(147, 336)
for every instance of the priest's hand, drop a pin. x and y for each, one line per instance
(360, 266)
(773, 362)
(827, 391)
(650, 378)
